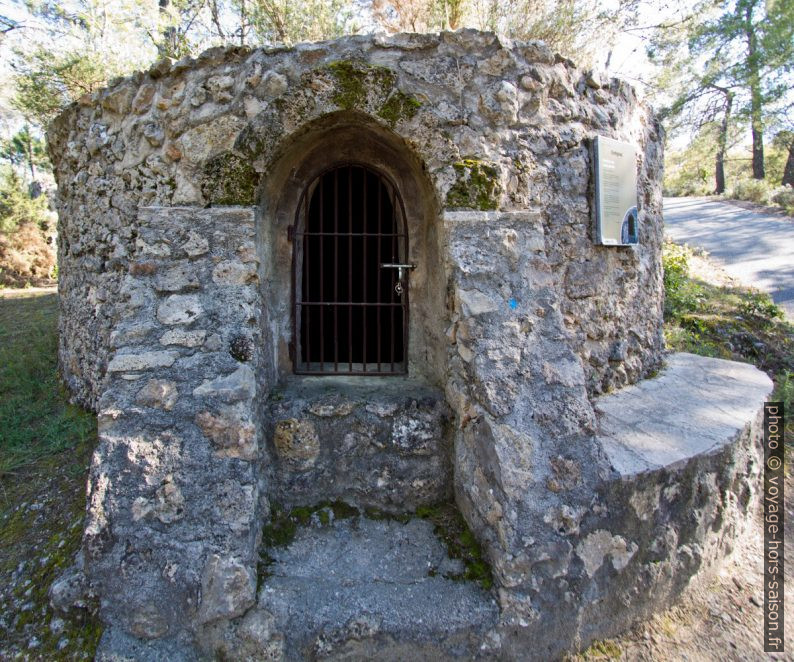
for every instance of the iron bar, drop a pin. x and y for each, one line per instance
(394, 258)
(364, 266)
(336, 269)
(395, 304)
(349, 234)
(366, 207)
(306, 327)
(322, 278)
(350, 266)
(380, 230)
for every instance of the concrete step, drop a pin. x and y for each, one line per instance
(358, 588)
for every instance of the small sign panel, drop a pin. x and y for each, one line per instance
(615, 192)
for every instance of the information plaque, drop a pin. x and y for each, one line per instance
(615, 192)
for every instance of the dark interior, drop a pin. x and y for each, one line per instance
(350, 317)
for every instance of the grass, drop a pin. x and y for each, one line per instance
(45, 449)
(36, 419)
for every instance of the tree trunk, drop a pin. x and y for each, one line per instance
(168, 45)
(756, 103)
(29, 150)
(788, 171)
(722, 142)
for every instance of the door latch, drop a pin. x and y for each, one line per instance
(399, 288)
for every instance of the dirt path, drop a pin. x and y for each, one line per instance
(19, 292)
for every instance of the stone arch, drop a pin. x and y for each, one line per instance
(334, 139)
(341, 87)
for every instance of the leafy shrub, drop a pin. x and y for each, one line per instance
(26, 255)
(760, 304)
(754, 190)
(686, 188)
(17, 207)
(784, 196)
(681, 295)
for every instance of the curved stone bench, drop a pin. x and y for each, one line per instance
(687, 453)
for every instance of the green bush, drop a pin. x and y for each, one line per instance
(760, 305)
(784, 196)
(754, 190)
(681, 295)
(16, 205)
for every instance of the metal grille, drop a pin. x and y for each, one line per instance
(348, 316)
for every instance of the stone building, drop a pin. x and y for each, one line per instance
(232, 306)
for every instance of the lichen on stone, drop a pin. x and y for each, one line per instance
(354, 81)
(229, 179)
(476, 186)
(399, 106)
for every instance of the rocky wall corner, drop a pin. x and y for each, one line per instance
(173, 514)
(678, 480)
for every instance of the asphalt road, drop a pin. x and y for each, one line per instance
(755, 247)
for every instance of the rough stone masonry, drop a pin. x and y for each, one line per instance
(177, 188)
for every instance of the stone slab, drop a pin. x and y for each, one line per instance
(382, 573)
(696, 405)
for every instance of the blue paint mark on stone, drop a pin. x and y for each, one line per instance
(513, 304)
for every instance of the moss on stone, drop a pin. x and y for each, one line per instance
(476, 187)
(283, 525)
(399, 106)
(355, 80)
(229, 179)
(460, 542)
(380, 515)
(447, 521)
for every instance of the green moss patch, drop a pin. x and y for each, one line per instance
(355, 81)
(229, 179)
(476, 186)
(399, 106)
(358, 84)
(460, 542)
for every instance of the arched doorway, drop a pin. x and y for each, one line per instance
(350, 296)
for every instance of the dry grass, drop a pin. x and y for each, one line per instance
(26, 259)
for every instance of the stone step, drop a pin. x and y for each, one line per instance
(360, 588)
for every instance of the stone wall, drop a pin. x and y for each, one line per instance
(177, 439)
(176, 191)
(490, 124)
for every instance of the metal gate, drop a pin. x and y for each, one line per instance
(350, 286)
